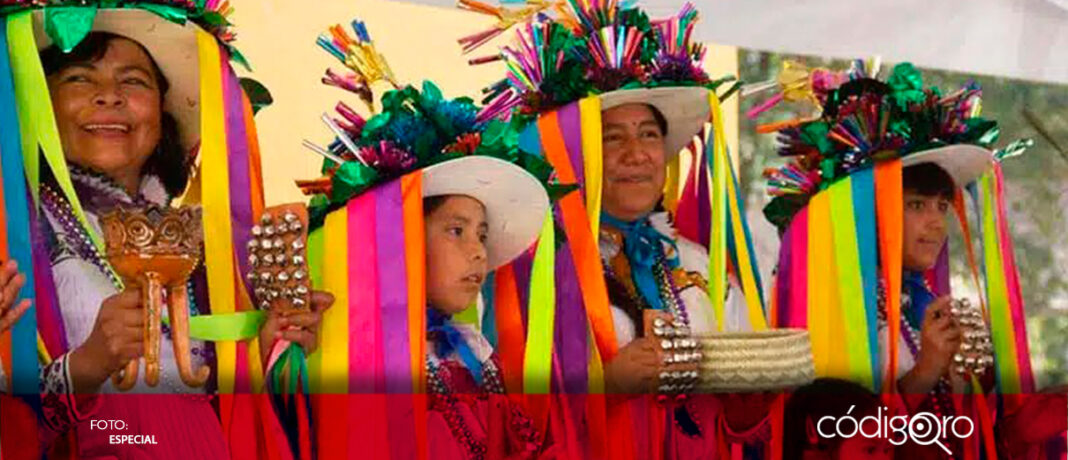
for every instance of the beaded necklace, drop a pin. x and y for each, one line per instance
(669, 291)
(444, 399)
(940, 395)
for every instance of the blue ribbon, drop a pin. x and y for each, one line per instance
(448, 339)
(920, 296)
(747, 237)
(489, 315)
(643, 246)
(16, 204)
(867, 245)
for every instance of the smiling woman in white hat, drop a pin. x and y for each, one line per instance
(119, 98)
(611, 97)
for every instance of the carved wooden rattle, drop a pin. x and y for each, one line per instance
(156, 248)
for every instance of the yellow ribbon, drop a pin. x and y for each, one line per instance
(822, 300)
(37, 120)
(850, 285)
(333, 355)
(592, 158)
(218, 251)
(1002, 332)
(717, 261)
(745, 260)
(537, 361)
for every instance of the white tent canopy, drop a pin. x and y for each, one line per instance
(1026, 39)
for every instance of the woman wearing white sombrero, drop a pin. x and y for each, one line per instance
(642, 130)
(124, 87)
(612, 88)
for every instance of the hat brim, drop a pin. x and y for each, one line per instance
(516, 203)
(963, 162)
(174, 48)
(685, 108)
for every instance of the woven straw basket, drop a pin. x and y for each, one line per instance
(755, 361)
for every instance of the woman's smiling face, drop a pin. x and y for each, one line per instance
(109, 111)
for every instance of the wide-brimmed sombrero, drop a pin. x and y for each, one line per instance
(612, 51)
(172, 46)
(964, 163)
(168, 30)
(515, 202)
(419, 129)
(685, 109)
(865, 121)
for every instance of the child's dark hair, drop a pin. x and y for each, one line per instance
(824, 397)
(169, 161)
(928, 179)
(432, 203)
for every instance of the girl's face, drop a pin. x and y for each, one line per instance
(456, 262)
(924, 229)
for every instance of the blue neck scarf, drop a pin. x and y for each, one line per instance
(643, 246)
(916, 287)
(448, 339)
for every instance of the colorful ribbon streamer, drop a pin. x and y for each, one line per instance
(537, 362)
(864, 215)
(717, 249)
(851, 285)
(512, 334)
(890, 214)
(577, 226)
(218, 252)
(1009, 349)
(36, 118)
(1012, 277)
(822, 304)
(17, 346)
(374, 340)
(740, 249)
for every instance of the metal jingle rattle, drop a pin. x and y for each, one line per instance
(678, 374)
(976, 352)
(278, 260)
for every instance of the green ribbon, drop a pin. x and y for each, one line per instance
(351, 179)
(225, 327)
(258, 95)
(907, 84)
(67, 26)
(296, 363)
(816, 134)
